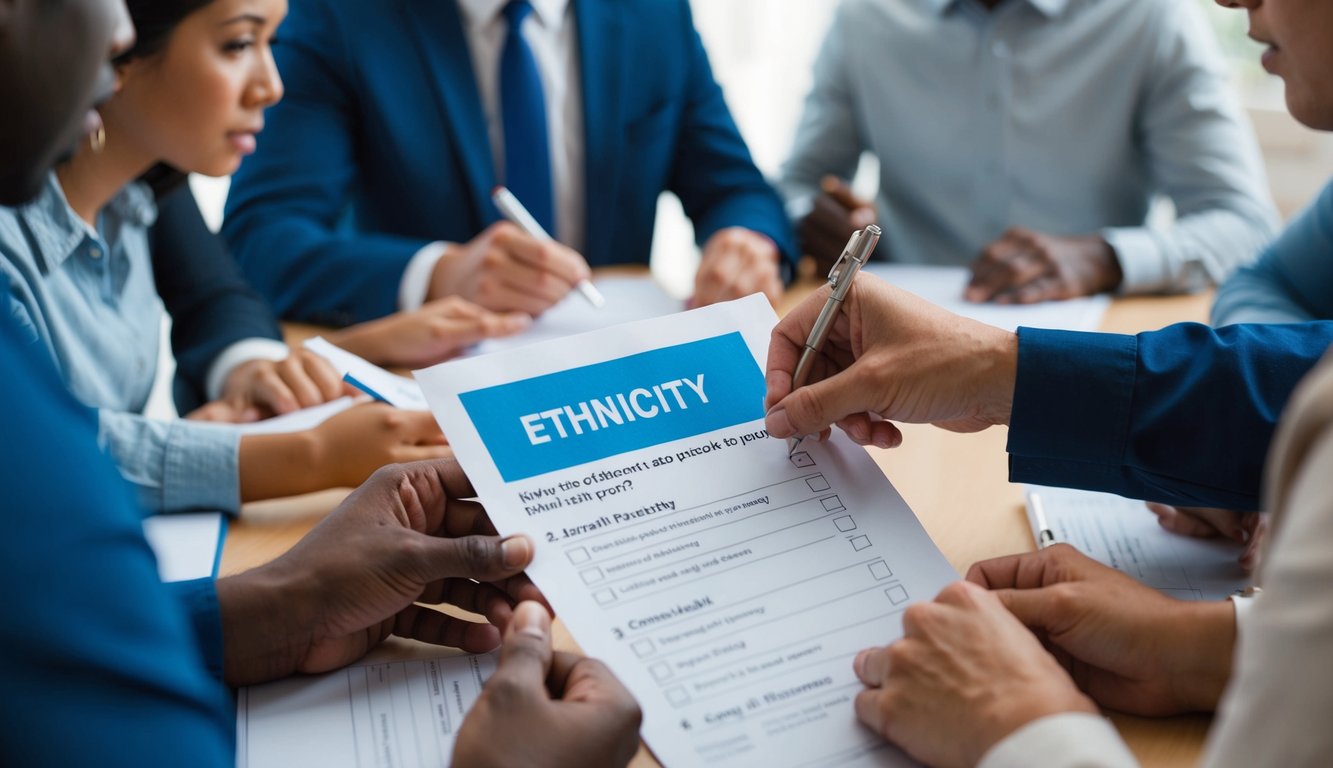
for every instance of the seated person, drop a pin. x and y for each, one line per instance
(376, 172)
(139, 666)
(1028, 138)
(81, 279)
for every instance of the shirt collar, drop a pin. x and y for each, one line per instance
(478, 13)
(59, 231)
(1048, 8)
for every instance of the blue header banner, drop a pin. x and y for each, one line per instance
(572, 417)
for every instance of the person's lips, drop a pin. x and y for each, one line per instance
(1269, 59)
(243, 142)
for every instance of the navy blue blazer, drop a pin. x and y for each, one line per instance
(211, 305)
(380, 147)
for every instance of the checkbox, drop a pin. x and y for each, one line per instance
(661, 671)
(845, 523)
(605, 596)
(860, 542)
(897, 595)
(832, 503)
(578, 555)
(592, 575)
(643, 648)
(677, 696)
(817, 483)
(880, 570)
(801, 459)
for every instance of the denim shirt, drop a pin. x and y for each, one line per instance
(89, 297)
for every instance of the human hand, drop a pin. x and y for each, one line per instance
(351, 445)
(259, 389)
(1248, 528)
(1025, 267)
(1127, 646)
(834, 215)
(402, 539)
(505, 270)
(965, 675)
(545, 708)
(737, 262)
(437, 331)
(890, 355)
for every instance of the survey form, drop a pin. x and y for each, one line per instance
(727, 584)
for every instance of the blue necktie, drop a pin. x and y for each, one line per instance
(523, 110)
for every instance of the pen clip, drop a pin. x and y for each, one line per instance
(847, 253)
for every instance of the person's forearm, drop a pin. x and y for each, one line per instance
(264, 618)
(273, 466)
(1204, 671)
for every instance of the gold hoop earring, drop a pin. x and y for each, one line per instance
(97, 139)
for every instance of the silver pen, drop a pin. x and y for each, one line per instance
(840, 278)
(1045, 536)
(516, 213)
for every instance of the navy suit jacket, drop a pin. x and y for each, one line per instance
(211, 305)
(380, 147)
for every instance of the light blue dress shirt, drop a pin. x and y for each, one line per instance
(1064, 116)
(1292, 282)
(89, 296)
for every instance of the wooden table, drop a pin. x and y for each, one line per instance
(957, 484)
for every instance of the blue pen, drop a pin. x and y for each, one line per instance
(354, 381)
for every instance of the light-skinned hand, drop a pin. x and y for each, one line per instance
(890, 355)
(434, 333)
(1127, 646)
(835, 213)
(400, 542)
(737, 262)
(1248, 528)
(965, 675)
(260, 389)
(1025, 267)
(505, 270)
(552, 709)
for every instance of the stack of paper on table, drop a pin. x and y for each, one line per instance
(944, 286)
(1125, 535)
(187, 546)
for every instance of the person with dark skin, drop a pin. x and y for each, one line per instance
(95, 639)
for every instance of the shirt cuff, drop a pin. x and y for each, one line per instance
(1069, 377)
(1062, 741)
(1244, 605)
(242, 351)
(199, 598)
(415, 285)
(1141, 263)
(201, 468)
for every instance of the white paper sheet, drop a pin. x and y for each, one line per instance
(306, 418)
(186, 545)
(395, 390)
(728, 585)
(402, 714)
(1125, 535)
(943, 286)
(627, 298)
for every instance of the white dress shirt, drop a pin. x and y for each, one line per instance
(551, 32)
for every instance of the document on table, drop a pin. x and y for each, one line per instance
(187, 546)
(728, 585)
(401, 714)
(306, 418)
(944, 286)
(1124, 534)
(627, 298)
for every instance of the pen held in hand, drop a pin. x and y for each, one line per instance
(513, 210)
(840, 278)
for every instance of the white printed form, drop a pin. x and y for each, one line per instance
(727, 584)
(395, 714)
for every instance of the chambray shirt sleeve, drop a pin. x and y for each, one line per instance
(828, 137)
(1292, 282)
(99, 664)
(1071, 740)
(1183, 415)
(1203, 156)
(174, 466)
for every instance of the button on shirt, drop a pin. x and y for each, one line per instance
(1064, 116)
(88, 295)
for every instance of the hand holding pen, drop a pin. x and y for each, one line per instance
(514, 211)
